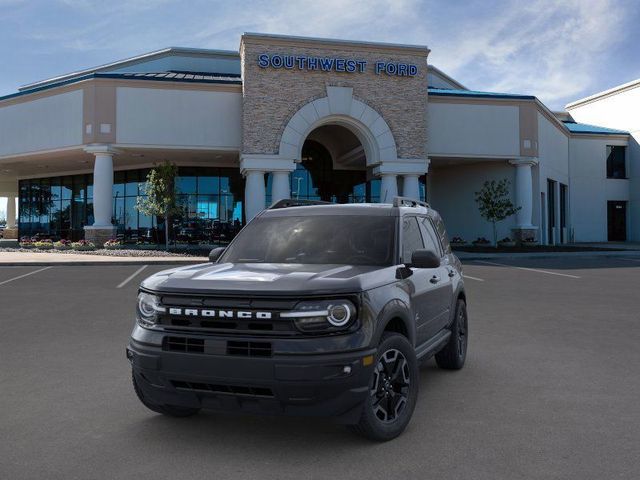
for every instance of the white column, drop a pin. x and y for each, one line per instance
(524, 192)
(280, 188)
(388, 188)
(411, 187)
(11, 211)
(254, 193)
(103, 189)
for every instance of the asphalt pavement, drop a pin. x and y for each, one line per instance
(550, 389)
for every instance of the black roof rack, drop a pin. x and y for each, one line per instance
(290, 202)
(409, 202)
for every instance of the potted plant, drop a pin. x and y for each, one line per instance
(62, 244)
(113, 244)
(83, 245)
(457, 242)
(506, 242)
(481, 241)
(43, 244)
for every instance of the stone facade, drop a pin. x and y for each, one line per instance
(271, 96)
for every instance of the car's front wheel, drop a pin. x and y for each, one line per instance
(393, 390)
(169, 410)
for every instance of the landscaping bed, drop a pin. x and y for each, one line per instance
(122, 252)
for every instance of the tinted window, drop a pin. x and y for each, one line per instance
(431, 241)
(342, 240)
(616, 164)
(411, 238)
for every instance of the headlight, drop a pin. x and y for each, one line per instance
(322, 316)
(148, 309)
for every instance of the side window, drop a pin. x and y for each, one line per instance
(430, 238)
(411, 238)
(442, 233)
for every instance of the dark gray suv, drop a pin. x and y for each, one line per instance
(313, 309)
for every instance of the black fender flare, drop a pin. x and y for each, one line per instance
(392, 310)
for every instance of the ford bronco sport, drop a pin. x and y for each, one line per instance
(313, 309)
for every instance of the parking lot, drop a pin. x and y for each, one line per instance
(550, 389)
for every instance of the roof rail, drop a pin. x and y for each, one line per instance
(290, 202)
(409, 202)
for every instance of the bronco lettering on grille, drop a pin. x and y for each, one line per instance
(241, 314)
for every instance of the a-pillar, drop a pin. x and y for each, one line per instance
(102, 228)
(524, 228)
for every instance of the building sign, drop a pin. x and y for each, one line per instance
(332, 64)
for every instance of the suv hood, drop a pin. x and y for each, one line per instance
(269, 279)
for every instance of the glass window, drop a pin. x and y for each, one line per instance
(208, 185)
(340, 240)
(442, 234)
(411, 238)
(186, 184)
(131, 185)
(616, 161)
(430, 237)
(67, 188)
(118, 184)
(131, 214)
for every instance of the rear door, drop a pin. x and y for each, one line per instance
(442, 287)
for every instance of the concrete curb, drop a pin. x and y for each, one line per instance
(546, 255)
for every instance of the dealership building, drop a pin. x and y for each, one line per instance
(306, 118)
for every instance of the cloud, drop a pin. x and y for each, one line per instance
(557, 50)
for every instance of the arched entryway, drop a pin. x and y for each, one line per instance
(333, 168)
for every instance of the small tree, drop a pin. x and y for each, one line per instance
(161, 198)
(494, 203)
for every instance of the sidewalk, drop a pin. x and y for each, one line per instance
(38, 259)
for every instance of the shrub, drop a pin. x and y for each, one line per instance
(113, 244)
(43, 244)
(481, 241)
(83, 245)
(62, 244)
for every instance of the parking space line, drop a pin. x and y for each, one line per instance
(473, 278)
(527, 269)
(132, 276)
(25, 275)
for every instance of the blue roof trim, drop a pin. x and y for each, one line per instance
(450, 92)
(585, 128)
(161, 77)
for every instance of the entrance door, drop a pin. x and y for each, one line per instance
(617, 221)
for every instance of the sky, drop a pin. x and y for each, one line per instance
(557, 50)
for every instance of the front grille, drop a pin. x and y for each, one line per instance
(249, 349)
(183, 344)
(228, 389)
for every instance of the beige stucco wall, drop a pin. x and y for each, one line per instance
(271, 96)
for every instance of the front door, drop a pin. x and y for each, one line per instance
(617, 221)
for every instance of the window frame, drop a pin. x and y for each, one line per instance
(401, 231)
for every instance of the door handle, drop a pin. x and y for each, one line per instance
(435, 279)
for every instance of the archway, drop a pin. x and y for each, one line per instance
(333, 168)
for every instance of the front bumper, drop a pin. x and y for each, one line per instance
(326, 384)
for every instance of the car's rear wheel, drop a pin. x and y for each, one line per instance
(454, 354)
(393, 390)
(169, 410)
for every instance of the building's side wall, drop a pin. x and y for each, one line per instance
(473, 129)
(452, 193)
(621, 111)
(188, 118)
(553, 158)
(590, 189)
(45, 123)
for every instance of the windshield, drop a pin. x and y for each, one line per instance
(339, 239)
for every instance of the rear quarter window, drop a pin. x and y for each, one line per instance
(442, 233)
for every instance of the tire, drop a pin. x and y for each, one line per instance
(393, 390)
(454, 354)
(169, 410)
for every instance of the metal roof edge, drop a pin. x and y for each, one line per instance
(603, 94)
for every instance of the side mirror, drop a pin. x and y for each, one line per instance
(425, 259)
(214, 254)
